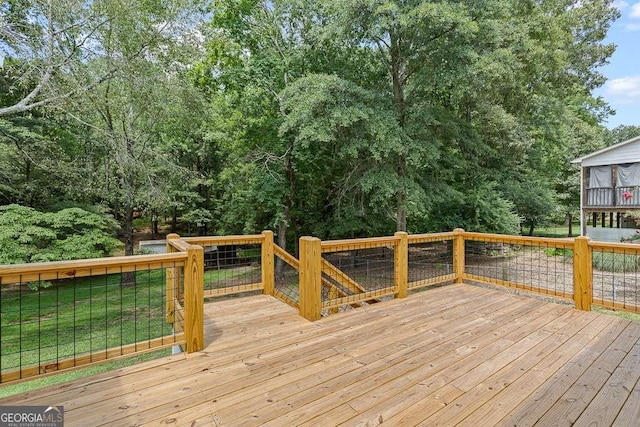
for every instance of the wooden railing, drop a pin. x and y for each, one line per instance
(615, 276)
(68, 314)
(534, 264)
(141, 303)
(627, 196)
(586, 273)
(185, 298)
(357, 271)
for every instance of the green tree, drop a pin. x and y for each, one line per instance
(55, 39)
(255, 49)
(412, 41)
(621, 133)
(126, 114)
(27, 235)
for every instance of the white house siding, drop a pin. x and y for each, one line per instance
(625, 153)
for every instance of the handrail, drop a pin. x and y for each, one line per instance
(526, 240)
(54, 270)
(224, 240)
(360, 243)
(89, 278)
(615, 247)
(178, 244)
(441, 258)
(286, 257)
(428, 238)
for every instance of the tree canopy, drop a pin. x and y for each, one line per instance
(336, 119)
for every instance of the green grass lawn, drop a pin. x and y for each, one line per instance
(214, 279)
(76, 317)
(556, 231)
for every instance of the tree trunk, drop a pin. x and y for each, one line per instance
(154, 225)
(401, 214)
(531, 227)
(570, 220)
(283, 227)
(282, 242)
(174, 219)
(128, 278)
(397, 70)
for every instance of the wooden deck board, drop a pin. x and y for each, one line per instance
(567, 395)
(454, 355)
(530, 383)
(545, 356)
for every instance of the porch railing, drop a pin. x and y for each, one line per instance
(613, 197)
(63, 315)
(60, 315)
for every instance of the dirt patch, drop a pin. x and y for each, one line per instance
(536, 270)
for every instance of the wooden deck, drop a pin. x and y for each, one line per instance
(456, 355)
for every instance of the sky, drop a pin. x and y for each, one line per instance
(622, 89)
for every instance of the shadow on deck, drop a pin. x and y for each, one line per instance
(458, 354)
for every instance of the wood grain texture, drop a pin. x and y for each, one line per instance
(194, 299)
(450, 355)
(582, 274)
(22, 273)
(310, 278)
(401, 264)
(458, 255)
(267, 263)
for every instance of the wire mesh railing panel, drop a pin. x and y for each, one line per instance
(541, 267)
(286, 284)
(53, 324)
(232, 268)
(358, 274)
(430, 263)
(616, 278)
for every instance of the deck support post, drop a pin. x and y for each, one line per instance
(172, 282)
(194, 299)
(458, 255)
(582, 292)
(310, 278)
(401, 264)
(267, 264)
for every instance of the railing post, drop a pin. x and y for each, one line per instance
(582, 274)
(171, 283)
(310, 278)
(267, 264)
(194, 299)
(401, 264)
(458, 255)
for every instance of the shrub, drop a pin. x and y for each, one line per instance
(634, 238)
(27, 235)
(614, 262)
(563, 252)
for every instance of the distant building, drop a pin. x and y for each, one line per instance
(609, 187)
